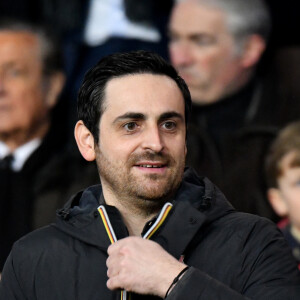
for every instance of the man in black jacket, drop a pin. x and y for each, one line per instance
(151, 229)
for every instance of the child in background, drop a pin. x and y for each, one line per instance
(283, 177)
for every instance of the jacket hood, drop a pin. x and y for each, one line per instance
(79, 217)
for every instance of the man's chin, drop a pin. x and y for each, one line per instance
(154, 191)
(151, 202)
(151, 194)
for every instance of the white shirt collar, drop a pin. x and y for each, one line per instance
(21, 154)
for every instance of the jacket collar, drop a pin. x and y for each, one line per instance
(196, 203)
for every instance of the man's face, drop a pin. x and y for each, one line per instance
(141, 150)
(203, 51)
(289, 187)
(22, 106)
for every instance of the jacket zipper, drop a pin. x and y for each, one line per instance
(112, 236)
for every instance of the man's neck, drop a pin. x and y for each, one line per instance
(134, 217)
(135, 223)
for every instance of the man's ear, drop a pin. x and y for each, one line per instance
(85, 141)
(254, 47)
(277, 202)
(54, 86)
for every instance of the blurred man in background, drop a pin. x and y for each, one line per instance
(216, 46)
(37, 168)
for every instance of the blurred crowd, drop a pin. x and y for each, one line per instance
(239, 59)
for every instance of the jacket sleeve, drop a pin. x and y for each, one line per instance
(195, 285)
(9, 284)
(271, 272)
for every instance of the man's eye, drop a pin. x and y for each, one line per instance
(14, 72)
(204, 40)
(131, 126)
(169, 125)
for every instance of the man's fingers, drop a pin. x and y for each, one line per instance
(117, 263)
(112, 271)
(120, 247)
(139, 265)
(113, 264)
(119, 281)
(113, 283)
(112, 248)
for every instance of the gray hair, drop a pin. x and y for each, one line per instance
(244, 17)
(50, 48)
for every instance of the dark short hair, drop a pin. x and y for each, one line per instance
(287, 141)
(49, 44)
(92, 91)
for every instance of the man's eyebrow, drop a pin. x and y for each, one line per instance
(191, 35)
(170, 115)
(130, 115)
(140, 116)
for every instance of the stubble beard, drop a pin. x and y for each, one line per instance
(146, 193)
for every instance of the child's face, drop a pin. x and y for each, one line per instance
(289, 189)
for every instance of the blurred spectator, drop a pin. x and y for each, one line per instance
(110, 26)
(283, 177)
(216, 46)
(37, 167)
(94, 28)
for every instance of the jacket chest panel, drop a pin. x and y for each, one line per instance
(220, 255)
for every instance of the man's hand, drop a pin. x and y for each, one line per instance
(141, 266)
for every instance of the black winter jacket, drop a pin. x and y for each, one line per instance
(232, 255)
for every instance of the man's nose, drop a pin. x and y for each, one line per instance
(180, 54)
(152, 139)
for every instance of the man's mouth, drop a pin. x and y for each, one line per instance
(151, 163)
(151, 166)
